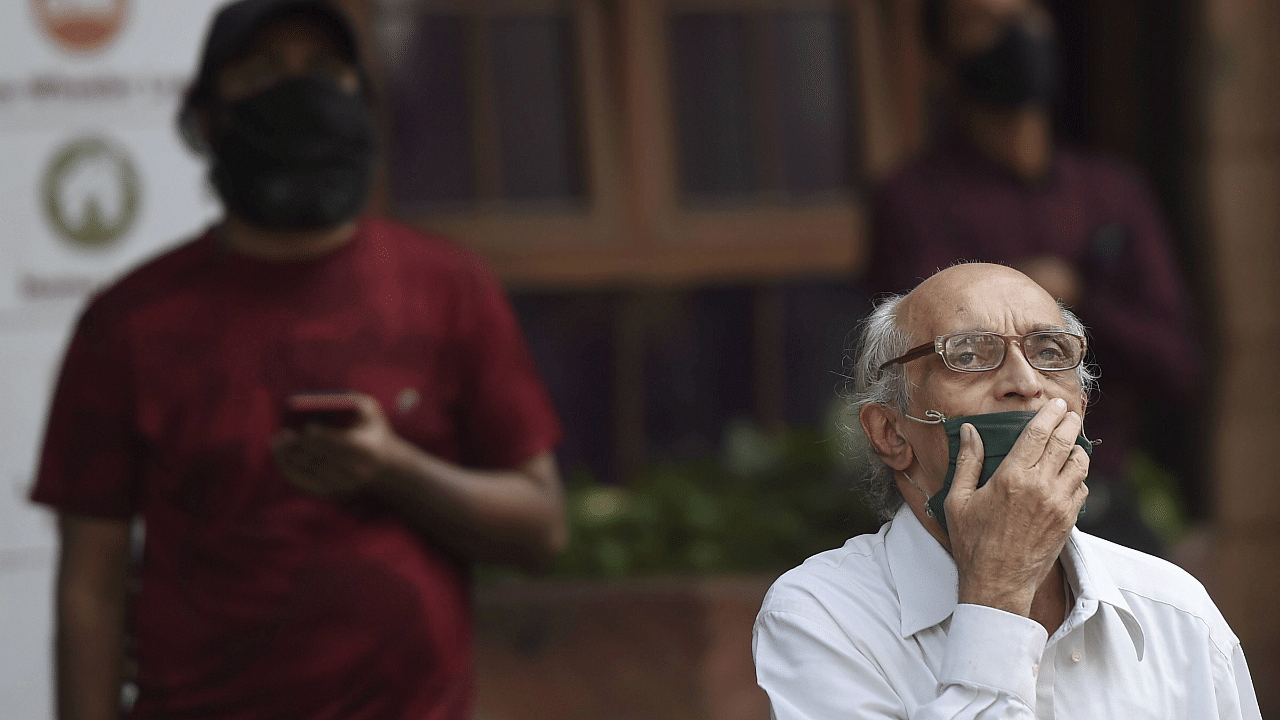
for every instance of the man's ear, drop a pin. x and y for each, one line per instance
(881, 428)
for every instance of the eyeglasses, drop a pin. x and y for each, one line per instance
(979, 351)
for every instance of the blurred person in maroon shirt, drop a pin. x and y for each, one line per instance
(994, 186)
(294, 566)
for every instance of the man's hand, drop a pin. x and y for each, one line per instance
(339, 462)
(1006, 535)
(513, 515)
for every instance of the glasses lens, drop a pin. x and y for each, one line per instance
(1052, 350)
(974, 351)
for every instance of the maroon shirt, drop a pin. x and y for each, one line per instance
(257, 599)
(956, 204)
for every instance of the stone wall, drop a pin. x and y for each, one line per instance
(1242, 176)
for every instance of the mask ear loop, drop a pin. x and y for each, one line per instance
(935, 418)
(927, 510)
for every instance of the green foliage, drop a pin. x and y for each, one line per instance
(1159, 502)
(768, 503)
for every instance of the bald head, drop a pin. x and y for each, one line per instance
(977, 296)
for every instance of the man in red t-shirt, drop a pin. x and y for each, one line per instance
(294, 566)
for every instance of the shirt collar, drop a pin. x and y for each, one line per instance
(1093, 585)
(923, 572)
(928, 585)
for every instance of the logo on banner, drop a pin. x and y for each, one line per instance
(91, 192)
(81, 25)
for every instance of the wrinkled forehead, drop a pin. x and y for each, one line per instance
(990, 298)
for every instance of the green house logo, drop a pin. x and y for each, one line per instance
(91, 192)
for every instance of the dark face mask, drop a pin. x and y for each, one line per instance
(297, 156)
(999, 431)
(1020, 69)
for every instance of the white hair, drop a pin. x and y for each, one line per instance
(881, 338)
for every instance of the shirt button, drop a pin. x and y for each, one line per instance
(1075, 656)
(1035, 670)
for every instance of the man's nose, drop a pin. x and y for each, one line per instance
(1016, 376)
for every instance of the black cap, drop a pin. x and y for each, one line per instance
(233, 27)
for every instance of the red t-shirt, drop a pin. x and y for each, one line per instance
(257, 599)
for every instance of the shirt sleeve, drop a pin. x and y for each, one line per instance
(91, 454)
(1234, 688)
(506, 414)
(811, 672)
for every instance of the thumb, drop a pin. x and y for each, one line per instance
(968, 464)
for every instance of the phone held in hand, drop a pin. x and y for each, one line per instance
(330, 409)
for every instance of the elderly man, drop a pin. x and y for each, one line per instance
(979, 598)
(994, 185)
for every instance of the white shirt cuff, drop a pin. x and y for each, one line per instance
(994, 649)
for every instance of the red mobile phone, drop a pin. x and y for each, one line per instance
(332, 409)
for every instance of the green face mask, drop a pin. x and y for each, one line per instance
(999, 431)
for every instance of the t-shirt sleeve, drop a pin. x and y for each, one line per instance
(507, 415)
(90, 458)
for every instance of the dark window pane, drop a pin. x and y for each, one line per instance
(712, 104)
(814, 102)
(570, 336)
(698, 369)
(431, 154)
(532, 66)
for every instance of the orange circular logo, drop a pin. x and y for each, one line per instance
(81, 25)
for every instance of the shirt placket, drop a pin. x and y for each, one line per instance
(1046, 676)
(1063, 655)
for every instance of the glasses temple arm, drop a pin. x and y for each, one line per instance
(912, 354)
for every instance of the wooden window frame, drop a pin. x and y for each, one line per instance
(634, 229)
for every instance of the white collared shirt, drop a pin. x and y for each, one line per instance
(874, 630)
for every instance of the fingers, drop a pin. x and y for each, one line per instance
(1049, 438)
(1030, 446)
(968, 460)
(368, 407)
(1061, 442)
(336, 447)
(293, 461)
(308, 463)
(968, 469)
(1080, 466)
(1077, 467)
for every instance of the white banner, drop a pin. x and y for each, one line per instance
(84, 203)
(95, 180)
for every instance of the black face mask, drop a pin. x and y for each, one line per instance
(297, 156)
(999, 431)
(1020, 69)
